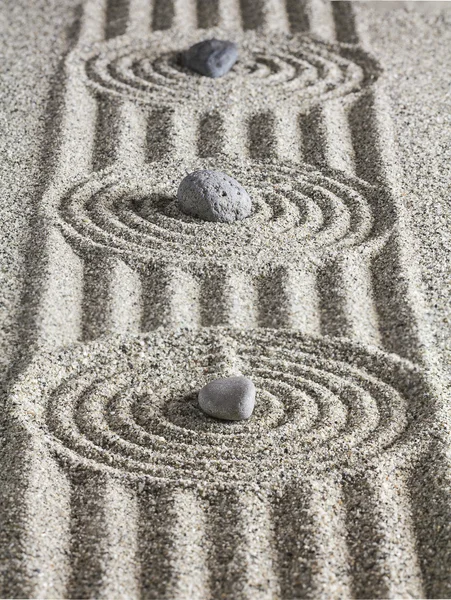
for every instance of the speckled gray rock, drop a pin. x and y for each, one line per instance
(230, 398)
(212, 58)
(213, 196)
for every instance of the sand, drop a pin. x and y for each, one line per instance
(333, 297)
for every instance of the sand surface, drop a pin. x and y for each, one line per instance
(333, 296)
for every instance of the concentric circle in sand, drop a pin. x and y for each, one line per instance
(130, 404)
(297, 211)
(303, 68)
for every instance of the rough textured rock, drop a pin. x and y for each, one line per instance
(213, 196)
(212, 58)
(231, 398)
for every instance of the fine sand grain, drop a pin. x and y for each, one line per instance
(329, 296)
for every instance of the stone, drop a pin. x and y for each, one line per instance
(229, 398)
(212, 58)
(213, 196)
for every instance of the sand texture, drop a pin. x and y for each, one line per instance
(119, 308)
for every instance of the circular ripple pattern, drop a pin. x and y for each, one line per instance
(130, 404)
(297, 211)
(307, 69)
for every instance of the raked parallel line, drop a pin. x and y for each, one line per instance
(430, 486)
(35, 521)
(104, 538)
(312, 552)
(140, 18)
(382, 537)
(242, 563)
(172, 545)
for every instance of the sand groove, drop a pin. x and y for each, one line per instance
(382, 497)
(242, 561)
(313, 560)
(430, 485)
(104, 534)
(117, 16)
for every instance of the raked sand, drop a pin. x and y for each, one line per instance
(333, 297)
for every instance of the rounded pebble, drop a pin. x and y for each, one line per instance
(212, 58)
(213, 196)
(230, 398)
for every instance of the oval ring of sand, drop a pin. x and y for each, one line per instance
(297, 211)
(302, 67)
(129, 403)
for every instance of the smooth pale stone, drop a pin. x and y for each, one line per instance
(213, 196)
(212, 58)
(230, 398)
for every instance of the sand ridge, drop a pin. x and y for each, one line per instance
(120, 488)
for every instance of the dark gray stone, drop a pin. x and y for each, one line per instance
(212, 58)
(213, 196)
(231, 398)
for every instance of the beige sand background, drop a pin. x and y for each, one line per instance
(75, 526)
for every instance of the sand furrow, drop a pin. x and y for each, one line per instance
(345, 25)
(111, 297)
(120, 134)
(430, 488)
(297, 13)
(289, 297)
(35, 516)
(347, 300)
(261, 136)
(399, 303)
(379, 511)
(158, 137)
(172, 546)
(326, 137)
(228, 298)
(116, 17)
(104, 538)
(374, 147)
(208, 15)
(241, 558)
(211, 134)
(311, 541)
(162, 14)
(170, 298)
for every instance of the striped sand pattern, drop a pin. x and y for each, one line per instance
(117, 510)
(115, 133)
